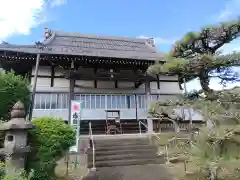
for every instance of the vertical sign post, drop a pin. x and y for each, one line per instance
(76, 110)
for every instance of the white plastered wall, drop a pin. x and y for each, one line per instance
(62, 85)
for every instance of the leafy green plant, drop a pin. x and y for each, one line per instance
(12, 89)
(14, 175)
(20, 175)
(50, 139)
(2, 170)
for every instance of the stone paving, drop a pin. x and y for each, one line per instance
(137, 172)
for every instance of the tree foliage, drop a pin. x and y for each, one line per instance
(12, 89)
(215, 150)
(207, 41)
(13, 175)
(197, 55)
(49, 141)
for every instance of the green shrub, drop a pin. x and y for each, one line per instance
(13, 175)
(12, 89)
(50, 139)
(2, 170)
(20, 175)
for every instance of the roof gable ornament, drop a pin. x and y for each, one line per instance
(4, 42)
(47, 33)
(151, 41)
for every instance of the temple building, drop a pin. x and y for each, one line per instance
(107, 74)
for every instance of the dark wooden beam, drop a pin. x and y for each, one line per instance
(95, 74)
(49, 76)
(136, 106)
(138, 80)
(158, 83)
(95, 83)
(34, 87)
(71, 97)
(52, 75)
(116, 84)
(170, 80)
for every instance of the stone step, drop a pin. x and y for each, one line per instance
(125, 146)
(128, 162)
(142, 172)
(132, 128)
(104, 125)
(135, 138)
(124, 130)
(109, 143)
(123, 151)
(133, 155)
(102, 131)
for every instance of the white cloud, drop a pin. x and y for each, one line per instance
(55, 3)
(230, 11)
(18, 17)
(160, 40)
(214, 84)
(230, 47)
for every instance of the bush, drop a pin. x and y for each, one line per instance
(13, 175)
(49, 141)
(12, 89)
(20, 175)
(2, 170)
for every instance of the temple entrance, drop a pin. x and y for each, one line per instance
(113, 125)
(113, 122)
(124, 126)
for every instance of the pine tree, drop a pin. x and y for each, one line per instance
(197, 55)
(214, 151)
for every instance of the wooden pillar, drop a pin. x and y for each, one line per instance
(34, 87)
(136, 106)
(71, 97)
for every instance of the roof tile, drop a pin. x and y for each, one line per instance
(92, 45)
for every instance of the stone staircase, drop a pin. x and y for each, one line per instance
(127, 159)
(124, 152)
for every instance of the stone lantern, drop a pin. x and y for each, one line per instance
(15, 142)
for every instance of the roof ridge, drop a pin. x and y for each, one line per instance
(105, 37)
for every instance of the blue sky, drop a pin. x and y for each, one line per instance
(165, 20)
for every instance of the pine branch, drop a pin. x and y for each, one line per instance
(208, 40)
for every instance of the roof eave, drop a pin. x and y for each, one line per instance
(32, 49)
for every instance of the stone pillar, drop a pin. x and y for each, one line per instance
(15, 143)
(150, 126)
(147, 93)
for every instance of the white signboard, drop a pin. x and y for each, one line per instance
(76, 110)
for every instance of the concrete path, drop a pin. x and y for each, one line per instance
(139, 172)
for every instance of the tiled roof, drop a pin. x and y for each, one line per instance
(58, 42)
